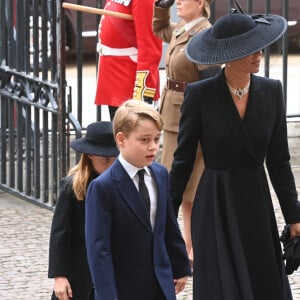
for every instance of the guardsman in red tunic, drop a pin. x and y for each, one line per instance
(129, 55)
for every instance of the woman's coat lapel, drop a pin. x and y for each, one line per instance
(223, 99)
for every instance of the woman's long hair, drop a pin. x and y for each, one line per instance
(81, 172)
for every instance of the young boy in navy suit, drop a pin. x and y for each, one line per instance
(134, 245)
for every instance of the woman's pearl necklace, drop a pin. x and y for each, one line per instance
(239, 92)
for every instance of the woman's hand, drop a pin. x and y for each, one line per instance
(295, 230)
(164, 3)
(62, 288)
(180, 284)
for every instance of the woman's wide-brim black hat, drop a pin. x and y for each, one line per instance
(99, 140)
(235, 36)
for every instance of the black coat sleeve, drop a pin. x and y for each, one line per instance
(188, 139)
(278, 164)
(59, 244)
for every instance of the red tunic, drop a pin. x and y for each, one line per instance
(117, 71)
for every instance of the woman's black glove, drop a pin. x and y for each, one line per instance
(291, 250)
(164, 3)
(148, 100)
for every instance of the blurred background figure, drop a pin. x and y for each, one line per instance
(67, 253)
(129, 55)
(194, 16)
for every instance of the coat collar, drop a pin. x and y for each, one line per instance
(130, 195)
(224, 100)
(186, 36)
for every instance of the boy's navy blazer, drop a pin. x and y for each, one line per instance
(127, 258)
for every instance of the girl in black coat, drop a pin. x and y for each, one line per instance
(67, 253)
(239, 120)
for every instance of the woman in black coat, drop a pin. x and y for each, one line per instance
(67, 252)
(239, 120)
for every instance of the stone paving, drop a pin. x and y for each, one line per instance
(24, 237)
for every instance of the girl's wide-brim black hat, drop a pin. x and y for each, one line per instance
(235, 36)
(99, 140)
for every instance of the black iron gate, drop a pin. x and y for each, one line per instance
(36, 110)
(33, 155)
(36, 122)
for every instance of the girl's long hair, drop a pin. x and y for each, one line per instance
(81, 175)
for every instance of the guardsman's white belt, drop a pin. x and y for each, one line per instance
(108, 51)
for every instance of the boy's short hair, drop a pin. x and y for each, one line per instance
(131, 112)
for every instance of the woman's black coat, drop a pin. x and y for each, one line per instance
(237, 254)
(67, 251)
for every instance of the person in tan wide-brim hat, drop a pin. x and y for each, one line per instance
(239, 120)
